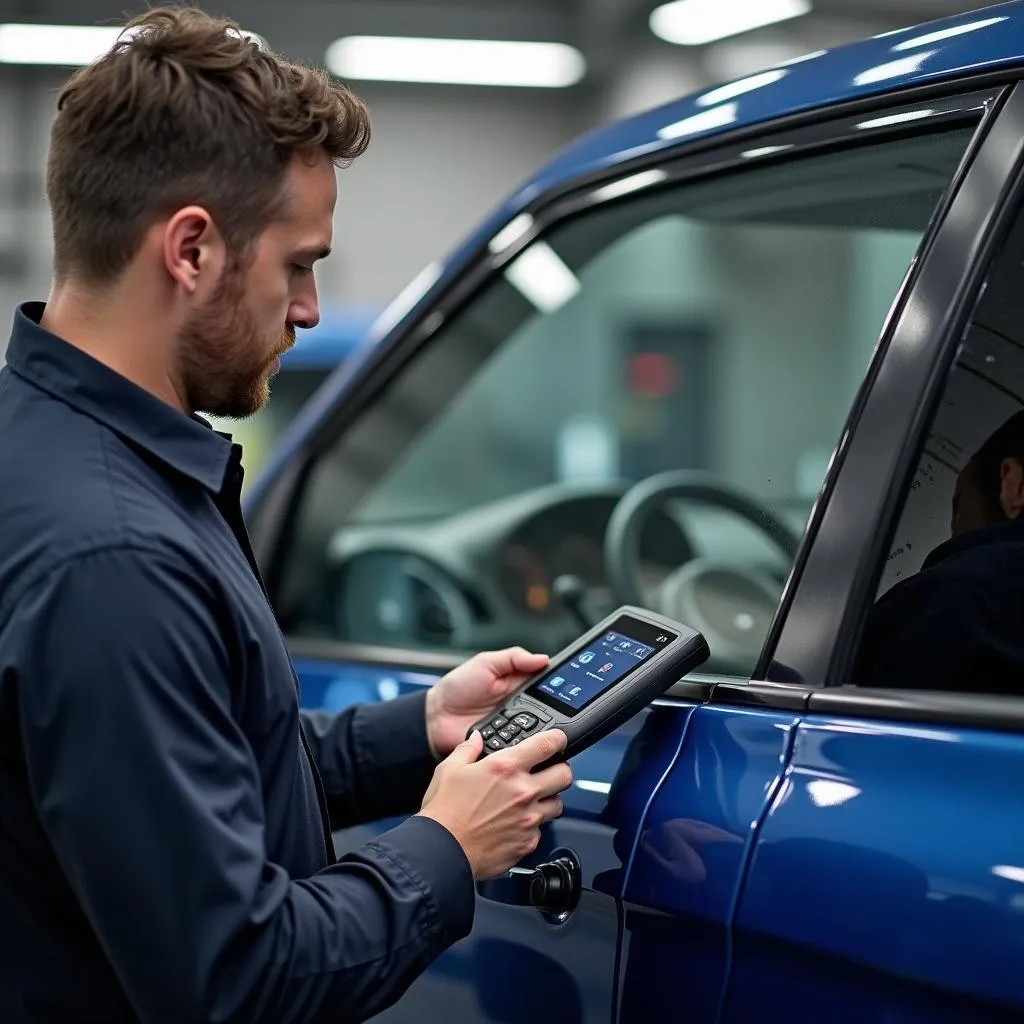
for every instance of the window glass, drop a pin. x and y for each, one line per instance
(717, 331)
(950, 604)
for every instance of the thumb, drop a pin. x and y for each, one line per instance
(468, 750)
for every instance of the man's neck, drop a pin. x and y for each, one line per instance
(107, 329)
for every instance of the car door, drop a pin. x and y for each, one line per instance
(508, 468)
(886, 877)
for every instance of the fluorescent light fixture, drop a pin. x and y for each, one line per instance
(632, 183)
(512, 232)
(705, 121)
(1009, 871)
(906, 117)
(947, 33)
(893, 69)
(456, 61)
(64, 45)
(590, 786)
(754, 154)
(541, 277)
(696, 22)
(740, 88)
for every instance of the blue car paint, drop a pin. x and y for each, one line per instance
(900, 832)
(832, 77)
(693, 848)
(823, 855)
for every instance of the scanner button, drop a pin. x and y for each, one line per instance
(494, 744)
(487, 732)
(506, 734)
(499, 722)
(525, 721)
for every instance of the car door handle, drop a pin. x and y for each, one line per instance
(552, 887)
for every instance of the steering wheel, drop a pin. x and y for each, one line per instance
(731, 604)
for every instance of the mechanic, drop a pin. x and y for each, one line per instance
(165, 843)
(956, 625)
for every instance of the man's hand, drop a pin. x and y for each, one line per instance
(473, 690)
(495, 807)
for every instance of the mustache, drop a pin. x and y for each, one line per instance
(286, 341)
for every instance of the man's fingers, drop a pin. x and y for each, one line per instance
(468, 750)
(551, 808)
(537, 749)
(555, 779)
(513, 661)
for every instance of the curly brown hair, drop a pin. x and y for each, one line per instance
(184, 110)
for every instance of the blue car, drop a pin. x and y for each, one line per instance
(725, 359)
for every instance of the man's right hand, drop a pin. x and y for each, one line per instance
(494, 807)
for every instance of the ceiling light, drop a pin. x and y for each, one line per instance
(541, 277)
(632, 183)
(947, 33)
(893, 69)
(456, 61)
(695, 22)
(744, 85)
(64, 45)
(716, 117)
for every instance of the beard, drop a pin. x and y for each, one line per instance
(225, 367)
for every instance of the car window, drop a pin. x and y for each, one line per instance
(640, 407)
(950, 602)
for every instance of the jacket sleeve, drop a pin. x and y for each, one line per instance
(151, 797)
(374, 759)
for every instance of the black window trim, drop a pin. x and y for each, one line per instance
(798, 136)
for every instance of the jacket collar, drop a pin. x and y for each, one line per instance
(186, 444)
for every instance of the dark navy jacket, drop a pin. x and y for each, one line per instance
(163, 850)
(956, 625)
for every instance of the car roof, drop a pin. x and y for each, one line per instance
(954, 47)
(950, 48)
(963, 46)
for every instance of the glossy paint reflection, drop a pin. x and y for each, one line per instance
(932, 922)
(692, 851)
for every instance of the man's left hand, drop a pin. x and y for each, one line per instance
(473, 690)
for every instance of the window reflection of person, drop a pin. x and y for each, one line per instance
(959, 623)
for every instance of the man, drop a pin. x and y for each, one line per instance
(959, 623)
(165, 849)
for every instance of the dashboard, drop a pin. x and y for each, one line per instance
(528, 569)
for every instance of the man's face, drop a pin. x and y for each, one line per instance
(230, 346)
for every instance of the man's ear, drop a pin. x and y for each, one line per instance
(193, 249)
(1011, 488)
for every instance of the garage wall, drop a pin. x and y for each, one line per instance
(440, 160)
